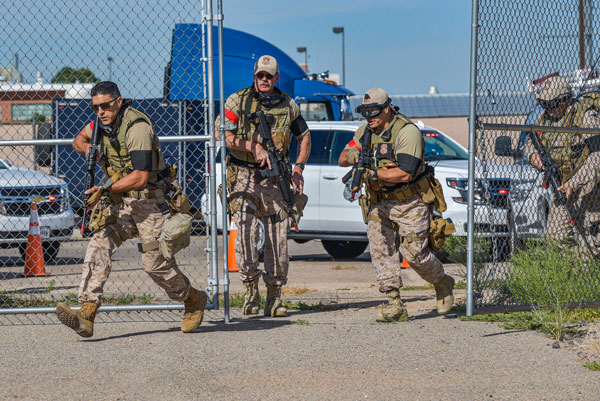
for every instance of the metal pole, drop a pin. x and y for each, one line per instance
(471, 196)
(110, 60)
(306, 60)
(343, 59)
(212, 179)
(223, 163)
(581, 36)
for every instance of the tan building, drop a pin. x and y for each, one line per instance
(20, 102)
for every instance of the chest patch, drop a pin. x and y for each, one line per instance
(383, 151)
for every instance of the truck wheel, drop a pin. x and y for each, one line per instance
(344, 249)
(50, 249)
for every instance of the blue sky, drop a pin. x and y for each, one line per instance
(403, 46)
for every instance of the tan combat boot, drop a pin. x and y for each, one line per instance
(443, 294)
(394, 311)
(273, 305)
(82, 321)
(251, 297)
(194, 310)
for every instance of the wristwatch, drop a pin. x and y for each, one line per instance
(301, 165)
(107, 184)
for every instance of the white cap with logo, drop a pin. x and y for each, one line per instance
(267, 64)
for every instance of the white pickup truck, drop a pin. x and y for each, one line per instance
(339, 225)
(18, 186)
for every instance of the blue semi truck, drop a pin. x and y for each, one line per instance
(182, 109)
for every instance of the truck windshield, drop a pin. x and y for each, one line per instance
(439, 147)
(316, 111)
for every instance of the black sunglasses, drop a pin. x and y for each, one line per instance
(261, 75)
(103, 106)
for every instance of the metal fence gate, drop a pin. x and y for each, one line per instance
(534, 99)
(160, 56)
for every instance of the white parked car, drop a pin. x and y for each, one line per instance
(339, 225)
(18, 186)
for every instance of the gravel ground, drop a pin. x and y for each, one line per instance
(311, 355)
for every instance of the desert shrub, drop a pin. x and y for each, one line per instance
(548, 272)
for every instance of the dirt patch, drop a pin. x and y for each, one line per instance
(588, 346)
(340, 267)
(289, 291)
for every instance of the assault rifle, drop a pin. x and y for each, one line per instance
(551, 173)
(550, 179)
(280, 168)
(90, 162)
(358, 169)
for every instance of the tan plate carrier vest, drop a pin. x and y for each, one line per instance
(568, 155)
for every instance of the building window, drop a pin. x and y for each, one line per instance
(26, 112)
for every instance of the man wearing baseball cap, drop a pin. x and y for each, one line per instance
(575, 157)
(398, 202)
(251, 201)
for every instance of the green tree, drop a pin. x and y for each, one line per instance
(68, 75)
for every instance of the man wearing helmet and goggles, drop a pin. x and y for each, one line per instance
(576, 158)
(399, 202)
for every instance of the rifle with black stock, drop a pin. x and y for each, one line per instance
(358, 169)
(280, 168)
(550, 178)
(90, 163)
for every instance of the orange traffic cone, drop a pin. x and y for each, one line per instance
(34, 255)
(404, 264)
(231, 262)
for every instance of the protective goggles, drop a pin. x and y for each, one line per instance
(554, 103)
(370, 110)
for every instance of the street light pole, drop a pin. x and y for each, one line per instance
(110, 60)
(340, 29)
(305, 51)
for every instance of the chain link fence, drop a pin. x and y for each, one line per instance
(536, 172)
(51, 57)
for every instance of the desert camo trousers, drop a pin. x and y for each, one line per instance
(251, 201)
(585, 223)
(411, 218)
(135, 217)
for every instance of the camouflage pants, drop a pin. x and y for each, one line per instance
(251, 201)
(411, 218)
(134, 216)
(585, 222)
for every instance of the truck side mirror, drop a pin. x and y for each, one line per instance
(504, 146)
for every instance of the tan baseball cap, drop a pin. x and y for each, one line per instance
(376, 95)
(552, 88)
(267, 64)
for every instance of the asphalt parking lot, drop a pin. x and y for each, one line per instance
(325, 354)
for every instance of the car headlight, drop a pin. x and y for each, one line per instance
(66, 203)
(522, 189)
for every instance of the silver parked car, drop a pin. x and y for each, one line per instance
(18, 187)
